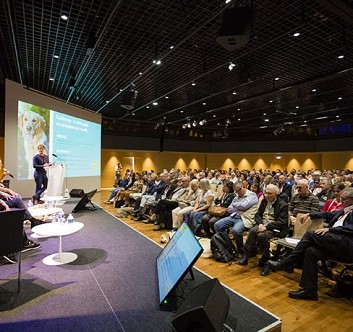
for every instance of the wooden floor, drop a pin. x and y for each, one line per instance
(328, 314)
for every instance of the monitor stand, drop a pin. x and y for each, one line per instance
(177, 297)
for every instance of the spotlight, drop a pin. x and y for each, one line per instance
(231, 66)
(184, 126)
(157, 62)
(194, 123)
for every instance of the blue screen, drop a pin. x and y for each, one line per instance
(177, 257)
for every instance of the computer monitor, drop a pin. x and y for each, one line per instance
(175, 261)
(85, 199)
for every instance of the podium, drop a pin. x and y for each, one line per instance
(55, 179)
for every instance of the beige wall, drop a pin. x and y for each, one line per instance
(159, 160)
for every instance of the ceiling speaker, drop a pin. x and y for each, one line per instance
(236, 28)
(129, 99)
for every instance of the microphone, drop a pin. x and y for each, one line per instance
(54, 155)
(7, 171)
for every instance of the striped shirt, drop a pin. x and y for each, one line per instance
(307, 204)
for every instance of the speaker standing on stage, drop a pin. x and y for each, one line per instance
(40, 162)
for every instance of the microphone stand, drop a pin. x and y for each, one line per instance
(63, 164)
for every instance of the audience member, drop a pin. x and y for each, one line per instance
(332, 242)
(271, 221)
(325, 193)
(241, 214)
(334, 204)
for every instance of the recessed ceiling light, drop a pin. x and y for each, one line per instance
(278, 157)
(171, 47)
(140, 73)
(271, 101)
(296, 34)
(238, 109)
(313, 90)
(155, 103)
(132, 114)
(64, 17)
(234, 93)
(166, 97)
(214, 115)
(267, 120)
(55, 56)
(203, 104)
(265, 114)
(337, 116)
(193, 83)
(276, 78)
(340, 56)
(147, 107)
(296, 106)
(239, 119)
(181, 111)
(339, 98)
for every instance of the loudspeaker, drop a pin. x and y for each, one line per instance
(205, 309)
(77, 193)
(129, 99)
(236, 28)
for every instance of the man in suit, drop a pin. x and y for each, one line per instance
(285, 187)
(333, 242)
(271, 221)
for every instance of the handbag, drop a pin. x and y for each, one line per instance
(217, 211)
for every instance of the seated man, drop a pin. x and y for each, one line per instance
(241, 214)
(326, 192)
(271, 221)
(165, 206)
(151, 198)
(302, 202)
(333, 242)
(27, 244)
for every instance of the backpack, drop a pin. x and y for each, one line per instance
(223, 249)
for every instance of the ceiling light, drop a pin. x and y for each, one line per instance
(181, 111)
(296, 34)
(271, 101)
(234, 93)
(203, 104)
(166, 97)
(337, 116)
(265, 114)
(238, 109)
(133, 114)
(267, 120)
(239, 119)
(228, 1)
(276, 78)
(51, 79)
(214, 115)
(321, 118)
(340, 56)
(107, 101)
(296, 106)
(64, 17)
(262, 127)
(157, 61)
(147, 107)
(155, 103)
(313, 90)
(140, 73)
(194, 123)
(231, 66)
(193, 83)
(184, 125)
(278, 157)
(339, 98)
(171, 47)
(55, 56)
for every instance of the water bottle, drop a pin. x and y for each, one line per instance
(61, 217)
(67, 193)
(70, 219)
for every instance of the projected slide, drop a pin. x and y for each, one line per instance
(75, 142)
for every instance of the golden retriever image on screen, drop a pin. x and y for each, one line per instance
(31, 126)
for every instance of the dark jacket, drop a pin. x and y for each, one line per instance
(332, 217)
(226, 202)
(287, 189)
(281, 216)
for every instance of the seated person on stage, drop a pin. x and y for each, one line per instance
(187, 204)
(165, 206)
(136, 186)
(241, 214)
(224, 200)
(334, 204)
(332, 242)
(123, 184)
(151, 197)
(204, 201)
(27, 244)
(302, 202)
(271, 221)
(326, 192)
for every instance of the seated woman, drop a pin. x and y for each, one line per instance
(255, 187)
(203, 203)
(187, 204)
(134, 186)
(224, 200)
(124, 183)
(334, 204)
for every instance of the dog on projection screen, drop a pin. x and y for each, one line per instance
(32, 126)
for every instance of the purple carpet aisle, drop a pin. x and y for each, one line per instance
(112, 286)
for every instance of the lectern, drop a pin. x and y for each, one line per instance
(55, 180)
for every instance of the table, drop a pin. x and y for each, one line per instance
(60, 230)
(43, 212)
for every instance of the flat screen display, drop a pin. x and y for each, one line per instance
(175, 260)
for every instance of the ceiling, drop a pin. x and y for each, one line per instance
(280, 86)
